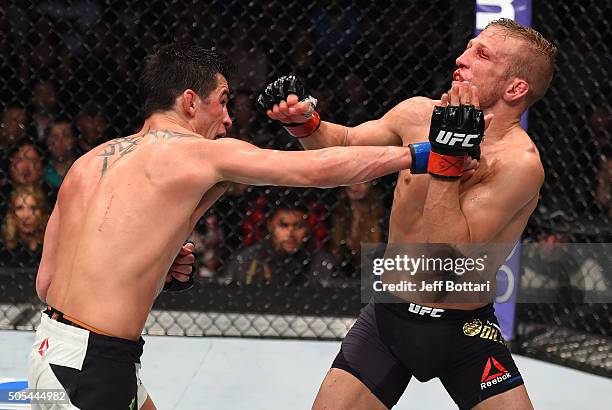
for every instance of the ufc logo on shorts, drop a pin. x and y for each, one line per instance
(424, 310)
(451, 138)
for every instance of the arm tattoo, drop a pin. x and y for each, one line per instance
(125, 145)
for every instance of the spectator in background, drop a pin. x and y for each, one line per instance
(12, 130)
(13, 126)
(356, 219)
(282, 258)
(44, 106)
(25, 165)
(91, 126)
(61, 144)
(25, 168)
(24, 226)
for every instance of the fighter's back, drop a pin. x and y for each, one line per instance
(107, 249)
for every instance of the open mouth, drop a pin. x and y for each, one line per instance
(457, 76)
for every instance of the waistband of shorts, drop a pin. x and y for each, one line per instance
(68, 320)
(99, 344)
(415, 311)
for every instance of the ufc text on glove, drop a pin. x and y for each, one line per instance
(455, 132)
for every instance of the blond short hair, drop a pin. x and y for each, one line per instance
(536, 64)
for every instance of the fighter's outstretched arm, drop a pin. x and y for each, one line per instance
(48, 262)
(375, 132)
(239, 161)
(286, 100)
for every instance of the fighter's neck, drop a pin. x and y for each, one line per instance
(166, 121)
(503, 124)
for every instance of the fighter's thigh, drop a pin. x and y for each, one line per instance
(515, 399)
(482, 366)
(365, 372)
(341, 390)
(41, 377)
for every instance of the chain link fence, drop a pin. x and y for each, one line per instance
(69, 71)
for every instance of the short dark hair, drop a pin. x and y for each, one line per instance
(173, 68)
(16, 147)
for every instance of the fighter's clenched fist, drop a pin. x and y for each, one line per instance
(287, 100)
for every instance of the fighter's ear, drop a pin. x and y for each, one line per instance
(188, 102)
(516, 90)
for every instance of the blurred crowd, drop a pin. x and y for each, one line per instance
(69, 83)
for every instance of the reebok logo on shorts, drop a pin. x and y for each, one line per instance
(43, 346)
(494, 373)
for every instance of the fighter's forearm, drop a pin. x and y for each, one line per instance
(351, 165)
(328, 135)
(443, 219)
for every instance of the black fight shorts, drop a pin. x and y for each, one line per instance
(392, 342)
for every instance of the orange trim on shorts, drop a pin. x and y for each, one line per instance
(86, 326)
(79, 323)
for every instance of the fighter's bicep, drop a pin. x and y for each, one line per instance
(376, 132)
(238, 161)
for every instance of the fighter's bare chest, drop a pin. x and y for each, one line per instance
(412, 189)
(411, 194)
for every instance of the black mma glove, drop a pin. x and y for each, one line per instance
(176, 285)
(455, 133)
(277, 91)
